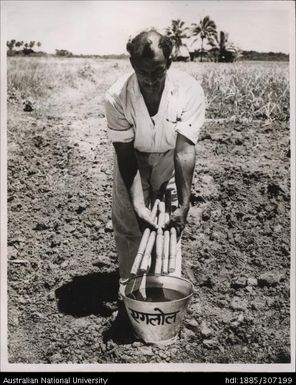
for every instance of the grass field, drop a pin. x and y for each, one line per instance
(239, 91)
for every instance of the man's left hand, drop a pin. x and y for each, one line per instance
(177, 220)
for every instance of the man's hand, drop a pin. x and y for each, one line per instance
(128, 167)
(177, 220)
(144, 214)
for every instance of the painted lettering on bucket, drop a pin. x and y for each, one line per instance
(159, 318)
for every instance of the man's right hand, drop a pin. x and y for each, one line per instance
(144, 215)
(128, 168)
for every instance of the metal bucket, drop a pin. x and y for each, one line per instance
(157, 322)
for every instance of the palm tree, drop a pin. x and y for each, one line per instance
(218, 44)
(10, 44)
(223, 50)
(206, 29)
(18, 44)
(177, 31)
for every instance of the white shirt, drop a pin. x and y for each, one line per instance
(181, 110)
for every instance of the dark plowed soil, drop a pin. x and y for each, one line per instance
(62, 267)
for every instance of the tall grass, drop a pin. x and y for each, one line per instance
(37, 77)
(246, 90)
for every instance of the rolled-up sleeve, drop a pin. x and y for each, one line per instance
(119, 129)
(193, 113)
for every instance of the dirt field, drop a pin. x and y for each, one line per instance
(62, 267)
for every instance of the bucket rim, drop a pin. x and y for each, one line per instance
(161, 276)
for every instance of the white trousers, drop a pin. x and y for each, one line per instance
(157, 173)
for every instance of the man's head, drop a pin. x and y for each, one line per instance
(150, 56)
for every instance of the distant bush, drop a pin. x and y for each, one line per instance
(87, 72)
(63, 52)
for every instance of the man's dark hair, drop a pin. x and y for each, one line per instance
(140, 45)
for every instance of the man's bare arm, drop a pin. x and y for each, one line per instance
(184, 158)
(128, 167)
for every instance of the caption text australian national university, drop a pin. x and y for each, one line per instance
(56, 380)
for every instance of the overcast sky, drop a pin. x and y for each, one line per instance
(103, 27)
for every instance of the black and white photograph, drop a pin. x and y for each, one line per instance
(148, 186)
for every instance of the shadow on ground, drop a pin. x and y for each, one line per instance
(120, 330)
(94, 293)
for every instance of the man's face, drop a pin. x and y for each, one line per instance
(151, 73)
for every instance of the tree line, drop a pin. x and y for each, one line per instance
(26, 48)
(16, 47)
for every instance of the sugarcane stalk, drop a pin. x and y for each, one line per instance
(140, 252)
(154, 209)
(146, 261)
(166, 248)
(144, 241)
(173, 250)
(159, 239)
